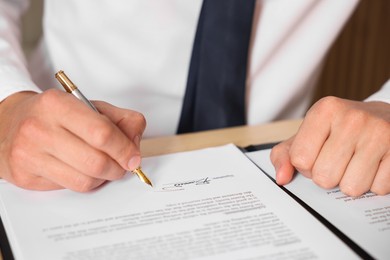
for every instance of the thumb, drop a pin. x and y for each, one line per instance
(280, 158)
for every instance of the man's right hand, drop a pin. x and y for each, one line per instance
(52, 140)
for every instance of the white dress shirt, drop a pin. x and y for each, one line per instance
(136, 53)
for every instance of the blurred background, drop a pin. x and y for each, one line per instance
(355, 67)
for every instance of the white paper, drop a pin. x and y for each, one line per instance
(364, 219)
(209, 204)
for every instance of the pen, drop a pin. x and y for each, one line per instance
(72, 89)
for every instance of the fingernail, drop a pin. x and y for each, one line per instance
(137, 141)
(134, 162)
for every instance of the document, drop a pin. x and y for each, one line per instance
(364, 219)
(206, 204)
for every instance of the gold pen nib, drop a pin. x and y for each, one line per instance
(142, 176)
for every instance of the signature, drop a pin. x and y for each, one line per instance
(176, 186)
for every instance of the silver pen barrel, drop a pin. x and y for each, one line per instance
(70, 87)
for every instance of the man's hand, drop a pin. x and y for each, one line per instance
(52, 140)
(340, 142)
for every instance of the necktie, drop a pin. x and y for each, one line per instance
(215, 93)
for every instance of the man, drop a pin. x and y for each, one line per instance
(138, 55)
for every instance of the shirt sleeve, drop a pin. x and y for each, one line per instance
(14, 76)
(382, 95)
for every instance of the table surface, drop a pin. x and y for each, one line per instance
(241, 136)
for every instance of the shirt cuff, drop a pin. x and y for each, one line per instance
(382, 95)
(13, 80)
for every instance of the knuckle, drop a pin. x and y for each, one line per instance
(97, 164)
(119, 175)
(17, 159)
(274, 153)
(381, 128)
(351, 189)
(277, 149)
(83, 184)
(17, 154)
(139, 119)
(356, 118)
(101, 135)
(30, 127)
(322, 177)
(323, 181)
(22, 180)
(301, 162)
(279, 153)
(49, 98)
(325, 105)
(380, 189)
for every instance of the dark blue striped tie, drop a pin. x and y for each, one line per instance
(215, 93)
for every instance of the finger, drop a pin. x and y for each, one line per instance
(66, 176)
(310, 138)
(370, 150)
(29, 181)
(281, 160)
(131, 123)
(42, 184)
(40, 171)
(89, 161)
(334, 157)
(360, 173)
(36, 138)
(98, 131)
(381, 184)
